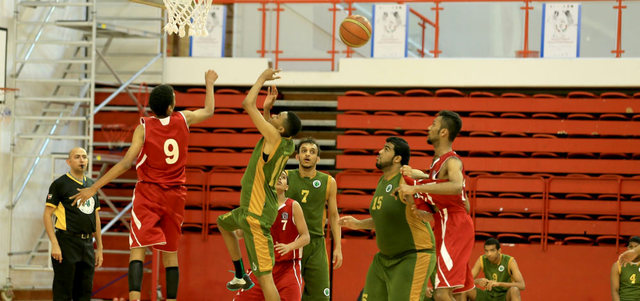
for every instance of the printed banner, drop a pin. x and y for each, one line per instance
(213, 44)
(389, 30)
(560, 30)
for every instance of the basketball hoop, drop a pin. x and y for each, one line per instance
(187, 12)
(117, 135)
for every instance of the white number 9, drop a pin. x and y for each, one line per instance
(171, 150)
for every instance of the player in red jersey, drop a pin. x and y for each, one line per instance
(290, 234)
(443, 188)
(160, 145)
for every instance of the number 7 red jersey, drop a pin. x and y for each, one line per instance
(163, 156)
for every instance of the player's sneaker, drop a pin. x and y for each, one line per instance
(244, 283)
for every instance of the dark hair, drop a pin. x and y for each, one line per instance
(400, 148)
(160, 99)
(309, 140)
(292, 125)
(452, 122)
(635, 239)
(492, 241)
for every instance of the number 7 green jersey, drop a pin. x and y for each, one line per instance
(311, 194)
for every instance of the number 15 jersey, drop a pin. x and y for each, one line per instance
(163, 156)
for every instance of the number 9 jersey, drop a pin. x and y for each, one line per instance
(163, 156)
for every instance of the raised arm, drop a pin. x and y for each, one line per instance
(615, 282)
(121, 167)
(272, 94)
(205, 113)
(334, 222)
(270, 133)
(629, 255)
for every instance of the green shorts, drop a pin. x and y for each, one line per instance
(315, 270)
(257, 238)
(482, 295)
(403, 277)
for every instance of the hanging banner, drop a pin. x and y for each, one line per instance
(213, 44)
(560, 30)
(389, 30)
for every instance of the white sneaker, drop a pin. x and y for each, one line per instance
(240, 283)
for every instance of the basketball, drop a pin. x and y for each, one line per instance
(355, 31)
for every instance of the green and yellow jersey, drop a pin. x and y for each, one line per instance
(312, 195)
(398, 230)
(629, 281)
(258, 193)
(497, 272)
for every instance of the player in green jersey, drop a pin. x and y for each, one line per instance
(625, 279)
(502, 277)
(407, 257)
(258, 198)
(315, 191)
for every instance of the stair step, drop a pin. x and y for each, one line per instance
(51, 118)
(55, 99)
(62, 61)
(59, 81)
(56, 42)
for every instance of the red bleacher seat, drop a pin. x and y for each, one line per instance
(228, 91)
(575, 240)
(581, 94)
(511, 238)
(614, 94)
(356, 93)
(580, 116)
(545, 116)
(544, 95)
(512, 115)
(482, 114)
(387, 93)
(613, 116)
(418, 92)
(481, 94)
(513, 95)
(483, 235)
(608, 239)
(578, 216)
(449, 93)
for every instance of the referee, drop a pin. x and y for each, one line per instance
(72, 251)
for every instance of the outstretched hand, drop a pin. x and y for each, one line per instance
(348, 222)
(404, 190)
(82, 196)
(272, 94)
(270, 74)
(210, 77)
(627, 257)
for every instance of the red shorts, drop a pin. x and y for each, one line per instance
(156, 216)
(454, 242)
(288, 279)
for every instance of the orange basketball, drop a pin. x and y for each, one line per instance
(355, 31)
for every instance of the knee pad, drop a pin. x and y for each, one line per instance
(172, 275)
(135, 275)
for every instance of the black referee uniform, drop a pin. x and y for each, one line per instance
(73, 277)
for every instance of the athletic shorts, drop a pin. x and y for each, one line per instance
(400, 278)
(482, 295)
(156, 216)
(257, 238)
(315, 270)
(454, 241)
(286, 275)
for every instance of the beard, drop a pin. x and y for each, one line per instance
(380, 165)
(429, 141)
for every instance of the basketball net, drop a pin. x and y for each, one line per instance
(187, 12)
(117, 135)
